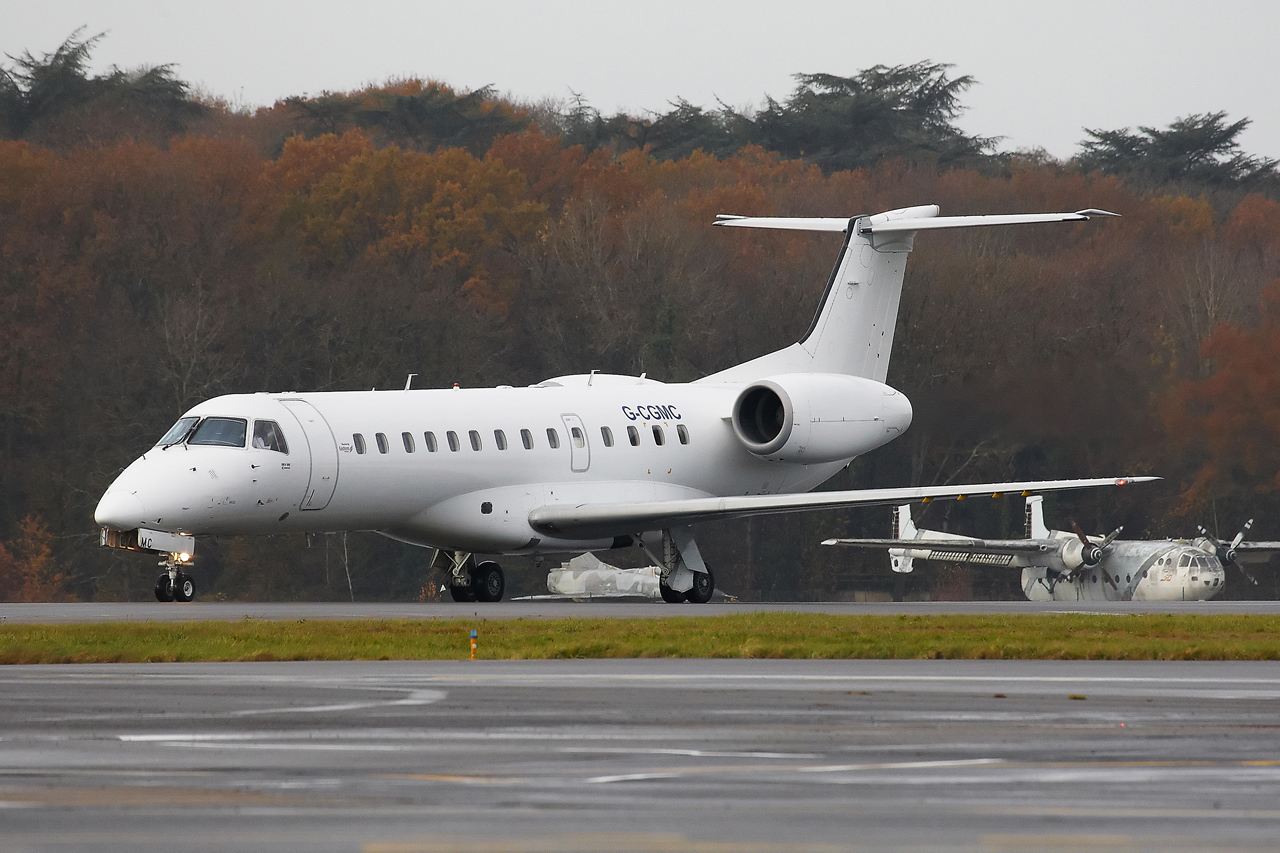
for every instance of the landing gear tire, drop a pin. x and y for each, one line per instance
(462, 594)
(487, 582)
(669, 595)
(704, 584)
(184, 589)
(164, 588)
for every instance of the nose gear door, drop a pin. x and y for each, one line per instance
(323, 450)
(579, 448)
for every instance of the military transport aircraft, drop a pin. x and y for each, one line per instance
(1060, 565)
(572, 464)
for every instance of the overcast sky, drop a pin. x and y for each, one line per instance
(1044, 69)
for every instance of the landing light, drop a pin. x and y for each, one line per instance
(184, 558)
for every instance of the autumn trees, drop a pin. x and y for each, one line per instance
(349, 240)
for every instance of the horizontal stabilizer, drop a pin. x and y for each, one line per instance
(589, 521)
(885, 224)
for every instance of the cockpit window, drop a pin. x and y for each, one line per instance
(222, 432)
(1184, 561)
(267, 436)
(177, 432)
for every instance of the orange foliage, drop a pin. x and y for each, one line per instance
(28, 571)
(1232, 419)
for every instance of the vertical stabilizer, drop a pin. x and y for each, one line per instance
(903, 528)
(852, 332)
(1035, 527)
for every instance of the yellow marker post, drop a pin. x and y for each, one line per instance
(473, 643)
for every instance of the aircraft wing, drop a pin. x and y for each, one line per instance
(598, 520)
(967, 546)
(1256, 552)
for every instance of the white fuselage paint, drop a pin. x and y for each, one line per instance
(467, 499)
(1139, 571)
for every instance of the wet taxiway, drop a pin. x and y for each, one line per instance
(645, 755)
(200, 610)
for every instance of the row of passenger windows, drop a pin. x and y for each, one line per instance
(526, 439)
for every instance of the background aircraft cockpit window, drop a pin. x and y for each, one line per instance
(221, 432)
(407, 438)
(553, 438)
(430, 438)
(475, 439)
(500, 439)
(526, 438)
(177, 432)
(267, 436)
(683, 432)
(579, 440)
(607, 435)
(453, 440)
(358, 440)
(382, 442)
(658, 438)
(633, 435)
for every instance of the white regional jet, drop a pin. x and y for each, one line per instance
(572, 464)
(1061, 565)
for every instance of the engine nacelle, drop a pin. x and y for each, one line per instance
(818, 417)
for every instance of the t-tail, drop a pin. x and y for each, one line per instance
(852, 331)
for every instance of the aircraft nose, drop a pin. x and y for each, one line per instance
(119, 510)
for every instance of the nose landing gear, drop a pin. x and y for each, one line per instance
(174, 584)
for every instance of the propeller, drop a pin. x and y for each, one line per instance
(1227, 553)
(1091, 552)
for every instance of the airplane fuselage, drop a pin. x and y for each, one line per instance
(460, 469)
(1164, 570)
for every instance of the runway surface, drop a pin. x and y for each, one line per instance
(641, 755)
(199, 610)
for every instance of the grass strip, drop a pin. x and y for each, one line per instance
(747, 635)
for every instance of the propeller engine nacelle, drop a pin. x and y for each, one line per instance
(1076, 555)
(818, 417)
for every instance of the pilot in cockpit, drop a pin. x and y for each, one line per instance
(266, 436)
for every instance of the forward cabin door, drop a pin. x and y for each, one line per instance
(579, 447)
(323, 450)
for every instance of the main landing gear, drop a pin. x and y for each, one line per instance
(704, 584)
(174, 584)
(468, 581)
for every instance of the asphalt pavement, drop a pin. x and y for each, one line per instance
(641, 755)
(201, 610)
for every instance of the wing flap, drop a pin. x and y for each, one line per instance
(590, 521)
(985, 546)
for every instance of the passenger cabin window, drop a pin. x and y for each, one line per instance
(553, 438)
(526, 438)
(220, 432)
(658, 438)
(475, 439)
(358, 441)
(453, 440)
(267, 436)
(607, 435)
(381, 438)
(683, 432)
(430, 439)
(579, 440)
(500, 439)
(407, 438)
(633, 436)
(177, 432)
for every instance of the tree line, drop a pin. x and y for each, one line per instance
(159, 247)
